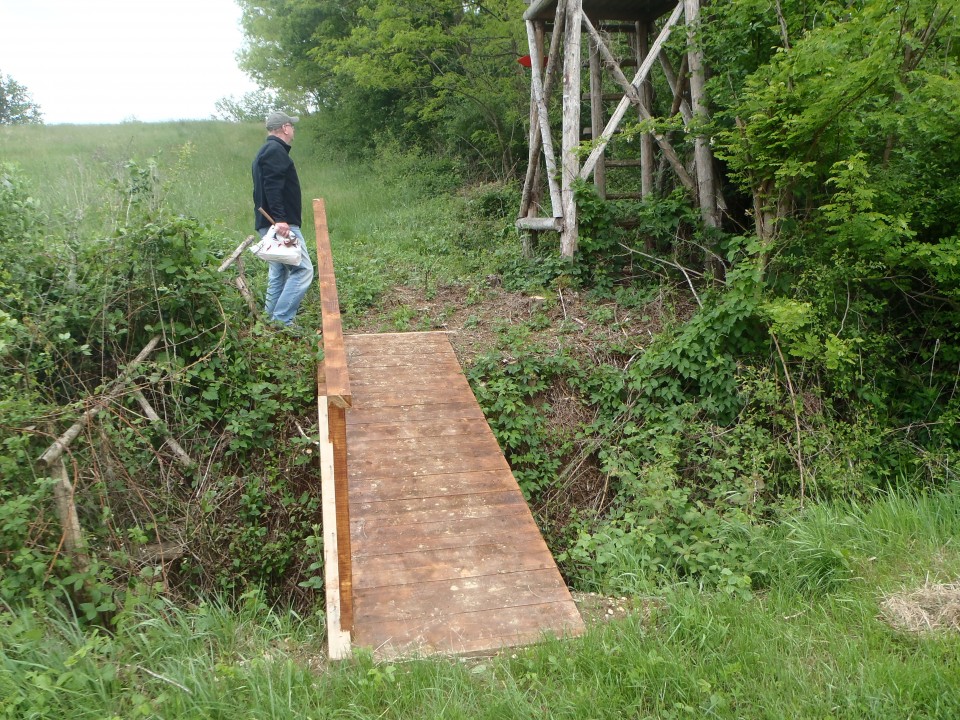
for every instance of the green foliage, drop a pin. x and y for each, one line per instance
(254, 106)
(511, 391)
(16, 105)
(73, 315)
(440, 75)
(20, 220)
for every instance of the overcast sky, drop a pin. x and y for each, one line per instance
(106, 61)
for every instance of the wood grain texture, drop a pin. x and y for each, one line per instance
(446, 555)
(334, 356)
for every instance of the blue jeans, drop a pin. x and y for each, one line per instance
(287, 284)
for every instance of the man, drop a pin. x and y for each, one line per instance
(276, 189)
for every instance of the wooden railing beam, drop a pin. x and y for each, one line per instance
(335, 397)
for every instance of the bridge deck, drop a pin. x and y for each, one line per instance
(446, 555)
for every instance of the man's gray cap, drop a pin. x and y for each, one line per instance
(277, 120)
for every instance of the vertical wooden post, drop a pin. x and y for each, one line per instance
(533, 184)
(334, 397)
(540, 99)
(597, 121)
(528, 199)
(337, 419)
(571, 126)
(642, 40)
(706, 189)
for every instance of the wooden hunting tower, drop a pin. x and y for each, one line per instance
(565, 21)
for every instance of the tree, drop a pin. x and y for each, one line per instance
(440, 74)
(256, 105)
(16, 105)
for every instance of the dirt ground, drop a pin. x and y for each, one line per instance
(475, 317)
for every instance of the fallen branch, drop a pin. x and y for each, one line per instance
(60, 445)
(185, 460)
(241, 280)
(66, 508)
(686, 271)
(244, 288)
(237, 253)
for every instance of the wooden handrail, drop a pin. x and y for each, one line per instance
(334, 399)
(334, 355)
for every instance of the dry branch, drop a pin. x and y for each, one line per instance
(237, 253)
(60, 445)
(241, 280)
(244, 288)
(185, 460)
(66, 508)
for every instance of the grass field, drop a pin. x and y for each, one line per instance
(817, 640)
(386, 225)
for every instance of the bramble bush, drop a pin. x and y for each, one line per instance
(72, 315)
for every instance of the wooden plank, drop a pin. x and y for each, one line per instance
(397, 488)
(468, 446)
(338, 639)
(367, 364)
(365, 434)
(434, 341)
(474, 632)
(438, 505)
(412, 382)
(447, 564)
(390, 539)
(373, 467)
(440, 598)
(385, 397)
(404, 336)
(399, 366)
(412, 412)
(412, 511)
(338, 438)
(334, 356)
(386, 442)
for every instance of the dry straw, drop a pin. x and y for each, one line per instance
(932, 607)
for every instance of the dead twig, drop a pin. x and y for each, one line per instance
(60, 445)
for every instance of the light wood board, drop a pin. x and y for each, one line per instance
(447, 557)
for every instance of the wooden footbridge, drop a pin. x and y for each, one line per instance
(429, 544)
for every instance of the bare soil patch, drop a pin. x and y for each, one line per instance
(477, 316)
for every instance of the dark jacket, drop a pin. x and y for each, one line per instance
(276, 187)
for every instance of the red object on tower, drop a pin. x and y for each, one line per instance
(526, 61)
